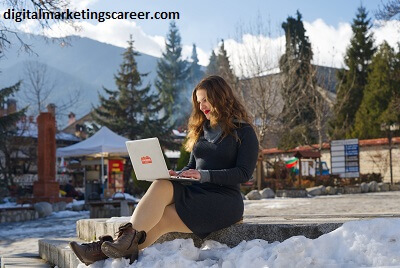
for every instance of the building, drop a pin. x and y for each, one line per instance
(374, 156)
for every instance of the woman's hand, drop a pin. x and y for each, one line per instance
(191, 173)
(172, 173)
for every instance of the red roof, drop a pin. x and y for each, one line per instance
(327, 145)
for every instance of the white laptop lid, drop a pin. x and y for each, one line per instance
(147, 159)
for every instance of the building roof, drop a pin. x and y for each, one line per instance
(307, 154)
(327, 146)
(27, 129)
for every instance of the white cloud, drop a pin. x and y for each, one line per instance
(111, 32)
(388, 31)
(262, 53)
(82, 4)
(329, 46)
(254, 55)
(328, 43)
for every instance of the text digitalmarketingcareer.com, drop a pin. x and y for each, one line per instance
(100, 16)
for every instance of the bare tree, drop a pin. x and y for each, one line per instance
(389, 10)
(40, 89)
(255, 63)
(9, 28)
(38, 85)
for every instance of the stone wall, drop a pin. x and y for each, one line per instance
(18, 214)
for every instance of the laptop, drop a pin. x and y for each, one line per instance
(148, 161)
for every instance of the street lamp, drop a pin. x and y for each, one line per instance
(389, 129)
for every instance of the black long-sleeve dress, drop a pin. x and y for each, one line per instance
(210, 206)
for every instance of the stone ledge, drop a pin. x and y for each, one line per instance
(57, 252)
(23, 260)
(91, 229)
(267, 228)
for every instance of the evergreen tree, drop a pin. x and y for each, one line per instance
(8, 135)
(224, 67)
(353, 79)
(172, 74)
(212, 68)
(195, 72)
(298, 80)
(382, 86)
(130, 110)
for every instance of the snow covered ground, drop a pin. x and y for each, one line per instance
(368, 243)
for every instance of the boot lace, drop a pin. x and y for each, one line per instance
(122, 229)
(94, 246)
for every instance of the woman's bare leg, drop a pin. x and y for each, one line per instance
(170, 222)
(151, 207)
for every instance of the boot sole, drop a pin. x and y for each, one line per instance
(72, 246)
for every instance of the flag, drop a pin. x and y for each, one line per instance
(291, 162)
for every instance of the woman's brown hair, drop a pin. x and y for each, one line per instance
(226, 108)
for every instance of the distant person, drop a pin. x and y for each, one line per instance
(70, 191)
(224, 150)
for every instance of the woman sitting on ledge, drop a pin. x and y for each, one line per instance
(224, 150)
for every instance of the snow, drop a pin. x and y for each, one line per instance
(22, 237)
(372, 243)
(366, 243)
(75, 203)
(10, 204)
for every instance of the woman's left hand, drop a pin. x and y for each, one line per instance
(191, 173)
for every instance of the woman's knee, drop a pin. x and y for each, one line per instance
(161, 189)
(161, 184)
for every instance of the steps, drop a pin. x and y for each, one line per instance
(57, 252)
(23, 261)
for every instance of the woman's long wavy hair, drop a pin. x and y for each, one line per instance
(226, 109)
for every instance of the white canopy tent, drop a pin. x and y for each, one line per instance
(103, 143)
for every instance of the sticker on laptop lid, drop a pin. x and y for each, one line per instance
(146, 159)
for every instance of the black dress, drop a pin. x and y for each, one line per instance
(210, 206)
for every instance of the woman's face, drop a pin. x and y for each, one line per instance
(205, 106)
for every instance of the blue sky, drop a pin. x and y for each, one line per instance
(205, 23)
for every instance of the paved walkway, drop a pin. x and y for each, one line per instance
(324, 208)
(22, 237)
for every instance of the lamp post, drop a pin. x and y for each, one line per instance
(389, 129)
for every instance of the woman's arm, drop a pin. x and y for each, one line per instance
(245, 163)
(191, 164)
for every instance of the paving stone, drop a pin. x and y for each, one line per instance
(23, 260)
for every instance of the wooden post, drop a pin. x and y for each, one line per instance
(299, 172)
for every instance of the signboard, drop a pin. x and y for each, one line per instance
(345, 158)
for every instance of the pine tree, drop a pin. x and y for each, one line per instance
(7, 122)
(225, 70)
(382, 86)
(130, 110)
(298, 80)
(172, 74)
(353, 79)
(195, 72)
(8, 135)
(212, 68)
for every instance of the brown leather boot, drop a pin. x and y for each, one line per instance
(126, 245)
(89, 253)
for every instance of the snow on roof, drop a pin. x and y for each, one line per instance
(31, 130)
